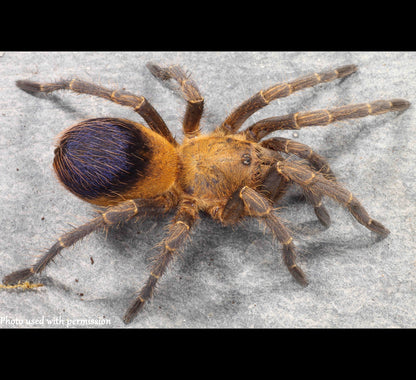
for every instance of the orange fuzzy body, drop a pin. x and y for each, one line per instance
(213, 167)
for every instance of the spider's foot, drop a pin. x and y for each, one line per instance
(399, 104)
(298, 275)
(28, 86)
(18, 276)
(133, 310)
(378, 228)
(323, 216)
(158, 71)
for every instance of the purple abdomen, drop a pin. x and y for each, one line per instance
(101, 157)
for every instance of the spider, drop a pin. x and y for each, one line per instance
(135, 171)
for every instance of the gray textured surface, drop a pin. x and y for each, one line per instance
(226, 277)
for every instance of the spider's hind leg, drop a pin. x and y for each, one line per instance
(112, 216)
(124, 98)
(190, 92)
(64, 241)
(179, 230)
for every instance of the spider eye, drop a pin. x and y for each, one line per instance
(246, 159)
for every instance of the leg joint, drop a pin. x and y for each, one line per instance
(71, 83)
(185, 224)
(140, 101)
(154, 275)
(295, 120)
(136, 210)
(61, 243)
(106, 220)
(280, 171)
(169, 248)
(309, 180)
(288, 241)
(263, 97)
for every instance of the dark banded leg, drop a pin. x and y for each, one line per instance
(320, 210)
(259, 206)
(322, 117)
(124, 98)
(177, 235)
(239, 115)
(318, 184)
(64, 241)
(273, 188)
(112, 216)
(190, 92)
(289, 146)
(317, 162)
(274, 185)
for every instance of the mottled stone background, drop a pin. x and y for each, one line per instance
(226, 277)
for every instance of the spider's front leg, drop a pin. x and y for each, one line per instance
(185, 218)
(319, 185)
(316, 161)
(247, 201)
(288, 146)
(240, 114)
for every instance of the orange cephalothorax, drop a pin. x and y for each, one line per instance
(107, 160)
(213, 167)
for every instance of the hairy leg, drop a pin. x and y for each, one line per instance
(320, 210)
(190, 93)
(299, 120)
(112, 216)
(249, 202)
(179, 229)
(239, 115)
(273, 188)
(289, 146)
(124, 98)
(317, 162)
(318, 185)
(259, 206)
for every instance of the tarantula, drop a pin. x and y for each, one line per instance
(134, 171)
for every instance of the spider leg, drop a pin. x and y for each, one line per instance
(318, 185)
(289, 146)
(179, 230)
(240, 114)
(259, 206)
(124, 98)
(273, 188)
(112, 216)
(317, 162)
(320, 210)
(189, 91)
(299, 120)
